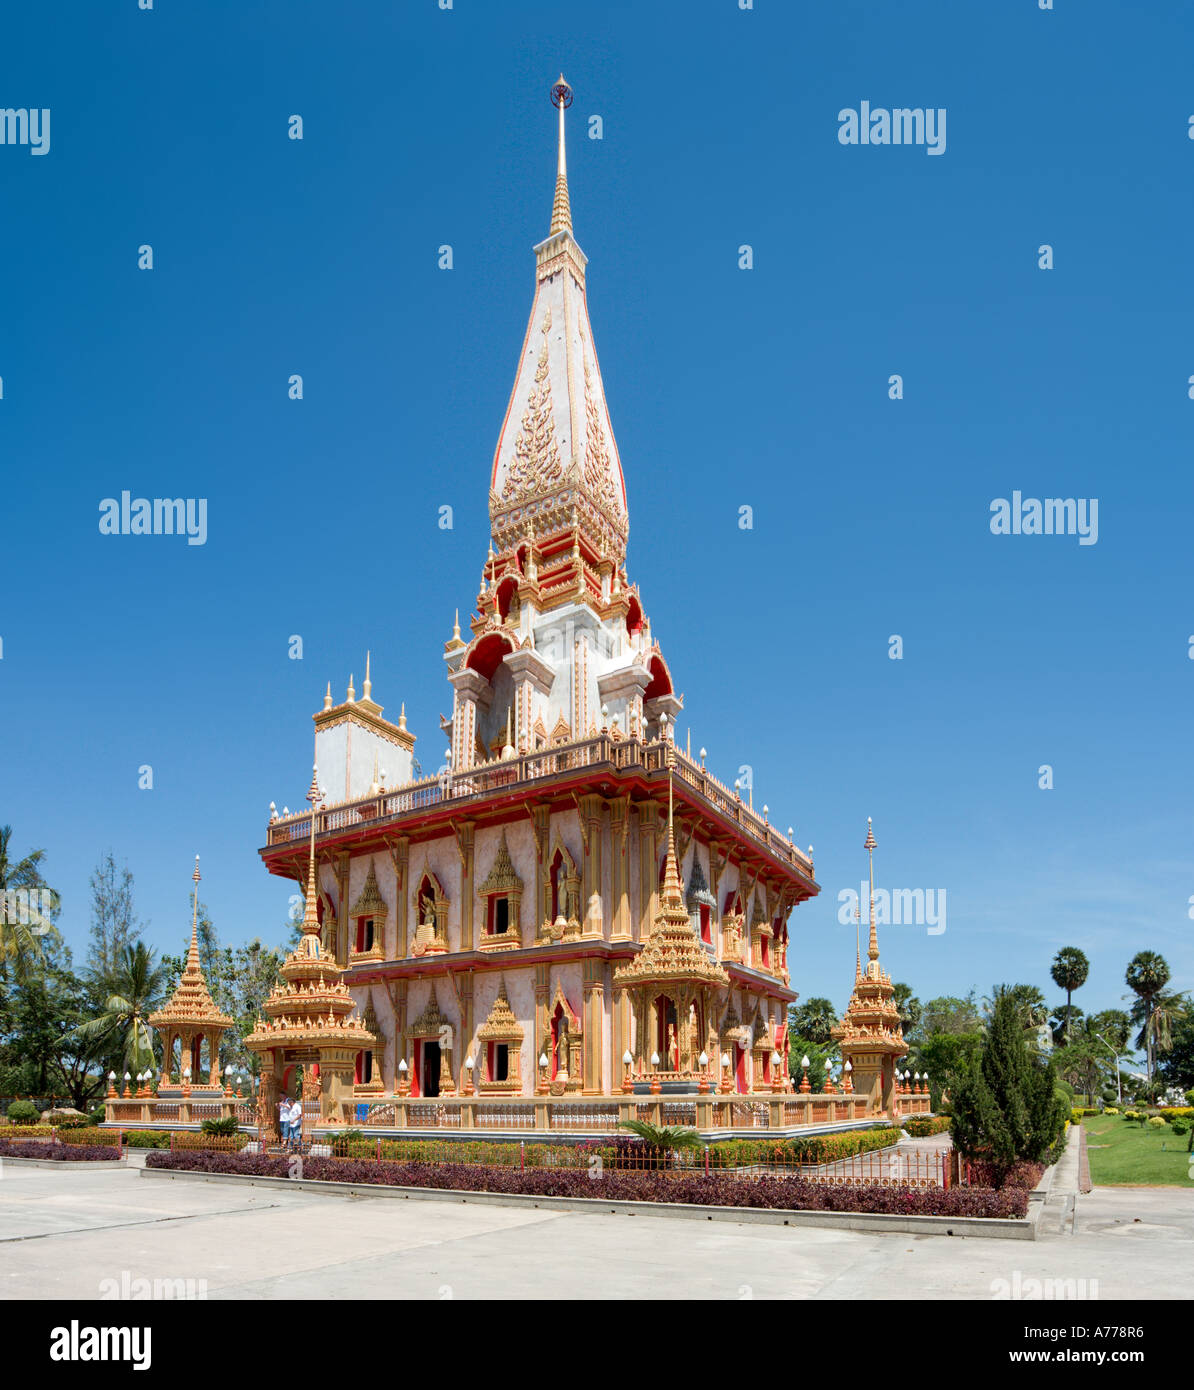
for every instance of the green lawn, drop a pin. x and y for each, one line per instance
(1123, 1154)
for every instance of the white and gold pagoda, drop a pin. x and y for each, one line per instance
(514, 920)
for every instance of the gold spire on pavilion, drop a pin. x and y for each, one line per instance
(310, 1004)
(873, 947)
(871, 1023)
(561, 211)
(191, 1003)
(672, 951)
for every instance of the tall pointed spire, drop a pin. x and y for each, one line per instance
(193, 953)
(311, 910)
(873, 946)
(561, 211)
(673, 896)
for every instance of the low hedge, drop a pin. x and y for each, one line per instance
(60, 1153)
(919, 1126)
(617, 1151)
(696, 1189)
(1176, 1112)
(1021, 1176)
(26, 1132)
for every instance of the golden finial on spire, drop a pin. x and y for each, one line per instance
(561, 212)
(327, 699)
(352, 694)
(402, 717)
(456, 624)
(368, 686)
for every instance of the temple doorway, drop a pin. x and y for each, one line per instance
(666, 1041)
(430, 1077)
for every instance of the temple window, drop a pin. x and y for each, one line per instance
(502, 891)
(706, 924)
(501, 1038)
(368, 914)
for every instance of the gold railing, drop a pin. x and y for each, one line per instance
(450, 789)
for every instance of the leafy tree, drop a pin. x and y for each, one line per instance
(114, 923)
(1114, 1026)
(135, 987)
(39, 1052)
(813, 1019)
(1069, 971)
(948, 1014)
(1005, 1105)
(909, 1006)
(1146, 976)
(20, 941)
(1065, 1018)
(1177, 1065)
(817, 1053)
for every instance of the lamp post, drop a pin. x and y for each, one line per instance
(542, 1087)
(186, 1081)
(125, 1093)
(111, 1083)
(725, 1074)
(468, 1076)
(228, 1079)
(703, 1063)
(403, 1078)
(655, 1063)
(829, 1086)
(627, 1079)
(805, 1085)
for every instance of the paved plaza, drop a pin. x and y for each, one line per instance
(64, 1232)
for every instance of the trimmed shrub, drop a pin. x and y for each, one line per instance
(1181, 1127)
(96, 1138)
(1023, 1175)
(1156, 1122)
(1176, 1112)
(716, 1189)
(61, 1153)
(147, 1138)
(23, 1112)
(919, 1126)
(26, 1131)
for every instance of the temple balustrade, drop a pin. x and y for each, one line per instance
(448, 790)
(543, 1114)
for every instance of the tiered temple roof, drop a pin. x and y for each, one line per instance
(191, 1006)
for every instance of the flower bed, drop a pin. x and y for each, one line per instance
(59, 1153)
(1022, 1175)
(918, 1126)
(696, 1189)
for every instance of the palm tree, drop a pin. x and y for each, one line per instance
(134, 989)
(663, 1139)
(1164, 1011)
(20, 942)
(1146, 976)
(1069, 970)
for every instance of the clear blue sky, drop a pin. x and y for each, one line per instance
(727, 388)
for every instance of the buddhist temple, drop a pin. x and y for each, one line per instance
(190, 1025)
(869, 1034)
(509, 942)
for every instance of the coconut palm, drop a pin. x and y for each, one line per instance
(1069, 970)
(20, 942)
(1146, 976)
(133, 989)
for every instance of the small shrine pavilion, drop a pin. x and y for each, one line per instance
(869, 1034)
(311, 1021)
(190, 1020)
(674, 984)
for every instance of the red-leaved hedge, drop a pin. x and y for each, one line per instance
(697, 1189)
(60, 1153)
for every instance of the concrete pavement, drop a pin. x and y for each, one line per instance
(63, 1233)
